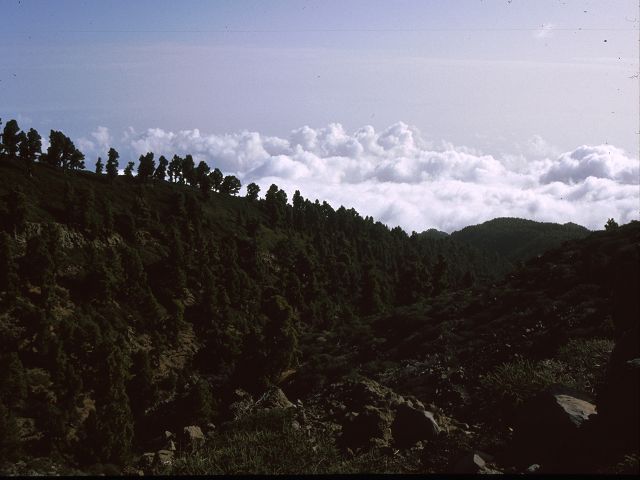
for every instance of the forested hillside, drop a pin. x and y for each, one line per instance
(517, 239)
(160, 300)
(123, 293)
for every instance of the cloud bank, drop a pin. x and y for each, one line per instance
(399, 178)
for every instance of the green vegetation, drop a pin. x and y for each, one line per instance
(581, 365)
(140, 298)
(517, 239)
(270, 442)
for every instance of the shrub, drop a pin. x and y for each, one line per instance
(586, 361)
(513, 383)
(580, 364)
(262, 443)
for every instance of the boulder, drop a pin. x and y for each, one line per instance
(163, 458)
(547, 427)
(469, 463)
(533, 468)
(130, 471)
(475, 462)
(412, 425)
(210, 430)
(366, 428)
(168, 441)
(356, 394)
(274, 398)
(146, 460)
(241, 404)
(192, 437)
(619, 398)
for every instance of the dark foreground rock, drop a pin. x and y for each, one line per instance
(548, 430)
(413, 424)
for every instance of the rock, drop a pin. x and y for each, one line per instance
(163, 458)
(547, 428)
(210, 430)
(618, 405)
(274, 398)
(363, 429)
(412, 425)
(147, 459)
(192, 437)
(129, 471)
(533, 468)
(469, 463)
(241, 404)
(356, 394)
(620, 396)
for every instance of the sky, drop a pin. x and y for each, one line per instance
(420, 113)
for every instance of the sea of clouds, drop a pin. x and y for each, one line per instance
(400, 178)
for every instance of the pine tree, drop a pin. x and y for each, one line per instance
(76, 157)
(141, 390)
(17, 206)
(161, 171)
(440, 280)
(252, 192)
(200, 403)
(11, 139)
(8, 265)
(280, 336)
(112, 163)
(128, 171)
(175, 170)
(230, 185)
(99, 166)
(202, 173)
(113, 424)
(189, 170)
(39, 267)
(9, 434)
(30, 149)
(216, 179)
(13, 385)
(611, 224)
(55, 151)
(146, 167)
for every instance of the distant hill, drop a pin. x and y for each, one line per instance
(517, 239)
(433, 233)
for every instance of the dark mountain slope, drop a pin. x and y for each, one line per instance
(567, 294)
(131, 306)
(518, 239)
(479, 354)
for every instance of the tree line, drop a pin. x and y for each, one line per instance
(26, 147)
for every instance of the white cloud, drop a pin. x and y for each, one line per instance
(399, 178)
(99, 145)
(545, 31)
(102, 137)
(602, 161)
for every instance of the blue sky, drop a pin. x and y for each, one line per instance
(490, 76)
